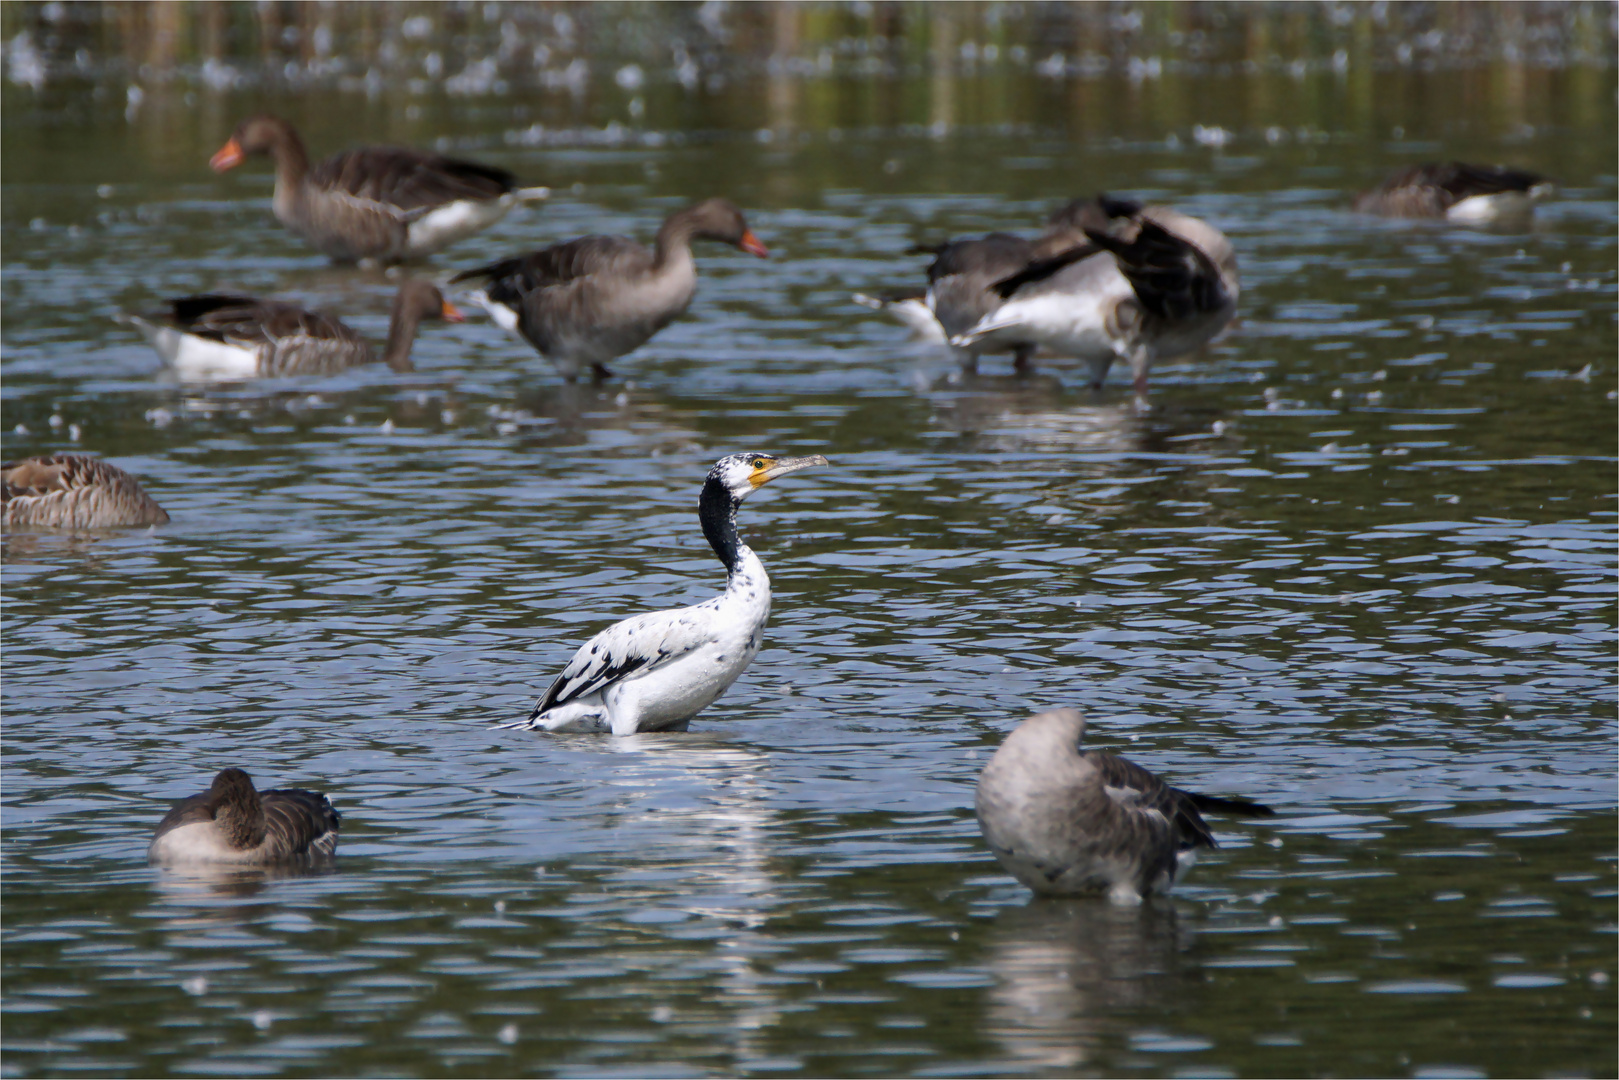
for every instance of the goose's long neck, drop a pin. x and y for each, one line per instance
(402, 326)
(716, 509)
(673, 245)
(291, 170)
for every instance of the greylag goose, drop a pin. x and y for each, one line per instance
(1064, 820)
(655, 671)
(591, 300)
(1148, 285)
(232, 822)
(1456, 191)
(962, 278)
(387, 203)
(222, 336)
(71, 491)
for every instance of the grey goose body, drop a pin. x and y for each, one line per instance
(234, 823)
(1066, 821)
(229, 336)
(586, 302)
(379, 203)
(1144, 284)
(964, 273)
(1456, 191)
(72, 491)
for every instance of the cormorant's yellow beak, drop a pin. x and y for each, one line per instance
(767, 468)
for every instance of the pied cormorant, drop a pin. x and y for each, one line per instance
(654, 672)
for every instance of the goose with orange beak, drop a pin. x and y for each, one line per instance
(594, 299)
(375, 203)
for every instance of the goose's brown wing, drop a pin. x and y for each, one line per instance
(228, 317)
(588, 256)
(412, 180)
(59, 472)
(1461, 181)
(1139, 792)
(299, 822)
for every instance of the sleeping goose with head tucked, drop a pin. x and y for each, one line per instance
(591, 300)
(232, 822)
(1064, 820)
(72, 491)
(1456, 191)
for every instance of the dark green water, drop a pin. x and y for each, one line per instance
(1358, 562)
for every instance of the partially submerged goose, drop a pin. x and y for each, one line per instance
(223, 336)
(1065, 821)
(591, 300)
(1456, 191)
(386, 203)
(654, 672)
(71, 491)
(1148, 284)
(232, 822)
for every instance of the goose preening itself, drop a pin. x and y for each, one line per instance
(1064, 820)
(223, 336)
(591, 300)
(962, 278)
(654, 672)
(1456, 191)
(232, 822)
(387, 203)
(1147, 284)
(71, 491)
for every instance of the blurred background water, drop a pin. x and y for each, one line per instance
(1357, 562)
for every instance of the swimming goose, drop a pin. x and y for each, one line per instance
(1148, 285)
(594, 299)
(222, 336)
(654, 672)
(386, 203)
(1064, 821)
(71, 491)
(233, 823)
(1456, 191)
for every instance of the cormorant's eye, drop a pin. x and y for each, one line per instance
(758, 463)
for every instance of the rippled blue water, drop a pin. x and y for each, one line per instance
(1358, 563)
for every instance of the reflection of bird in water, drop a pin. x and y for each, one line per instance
(1033, 413)
(591, 300)
(225, 336)
(375, 202)
(1065, 969)
(1065, 821)
(1457, 192)
(71, 491)
(712, 851)
(1147, 284)
(234, 823)
(654, 672)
